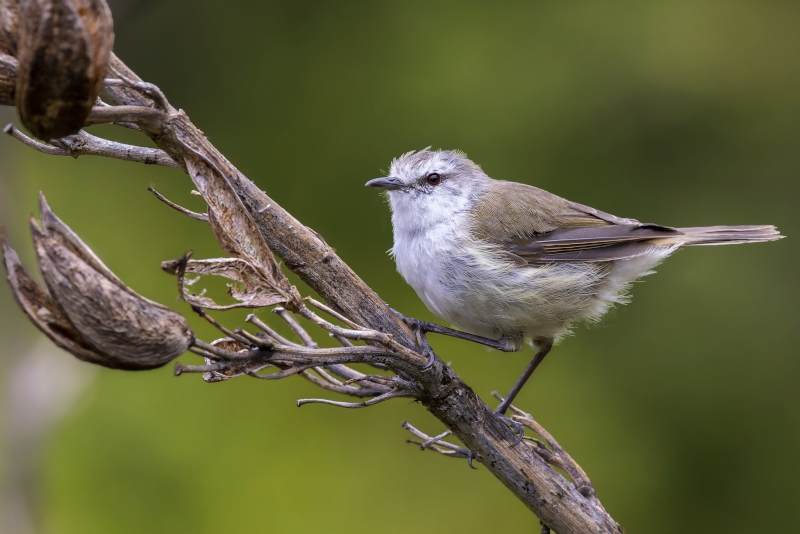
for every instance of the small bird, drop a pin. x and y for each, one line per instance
(508, 262)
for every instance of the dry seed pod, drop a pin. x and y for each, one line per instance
(43, 311)
(64, 48)
(87, 310)
(9, 26)
(8, 79)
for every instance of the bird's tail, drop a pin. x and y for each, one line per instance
(728, 235)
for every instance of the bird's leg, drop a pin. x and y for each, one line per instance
(425, 327)
(543, 347)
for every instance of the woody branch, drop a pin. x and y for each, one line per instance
(250, 226)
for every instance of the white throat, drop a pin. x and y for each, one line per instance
(414, 212)
(429, 231)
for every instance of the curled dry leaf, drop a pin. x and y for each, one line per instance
(63, 50)
(238, 234)
(86, 309)
(9, 26)
(258, 280)
(248, 288)
(8, 79)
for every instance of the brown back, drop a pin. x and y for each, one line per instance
(508, 211)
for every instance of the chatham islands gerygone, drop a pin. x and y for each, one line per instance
(509, 262)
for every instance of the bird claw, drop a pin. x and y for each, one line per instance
(516, 427)
(470, 456)
(422, 341)
(431, 359)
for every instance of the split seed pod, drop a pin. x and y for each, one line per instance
(9, 26)
(86, 309)
(64, 48)
(8, 79)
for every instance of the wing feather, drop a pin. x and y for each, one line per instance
(598, 243)
(531, 226)
(536, 226)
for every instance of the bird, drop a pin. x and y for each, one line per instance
(506, 262)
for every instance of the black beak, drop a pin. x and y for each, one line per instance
(390, 183)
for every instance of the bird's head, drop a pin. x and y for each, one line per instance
(427, 186)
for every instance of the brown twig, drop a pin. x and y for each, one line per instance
(371, 402)
(194, 215)
(269, 331)
(86, 144)
(141, 115)
(305, 338)
(436, 444)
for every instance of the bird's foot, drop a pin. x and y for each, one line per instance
(410, 321)
(428, 351)
(516, 427)
(419, 332)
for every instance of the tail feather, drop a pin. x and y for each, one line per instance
(729, 235)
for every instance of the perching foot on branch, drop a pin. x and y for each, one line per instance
(516, 427)
(425, 327)
(551, 451)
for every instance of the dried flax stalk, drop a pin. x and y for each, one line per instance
(8, 79)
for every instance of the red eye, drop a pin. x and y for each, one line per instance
(434, 179)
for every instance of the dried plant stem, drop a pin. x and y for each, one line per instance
(86, 144)
(269, 331)
(436, 444)
(266, 227)
(194, 215)
(141, 115)
(304, 336)
(371, 402)
(560, 457)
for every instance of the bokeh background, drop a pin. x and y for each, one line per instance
(683, 407)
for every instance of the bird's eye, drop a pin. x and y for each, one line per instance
(434, 178)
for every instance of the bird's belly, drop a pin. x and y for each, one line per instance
(490, 297)
(467, 284)
(536, 301)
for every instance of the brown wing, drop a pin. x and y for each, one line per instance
(509, 210)
(603, 243)
(535, 226)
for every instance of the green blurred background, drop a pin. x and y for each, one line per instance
(683, 407)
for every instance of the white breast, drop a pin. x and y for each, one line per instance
(424, 253)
